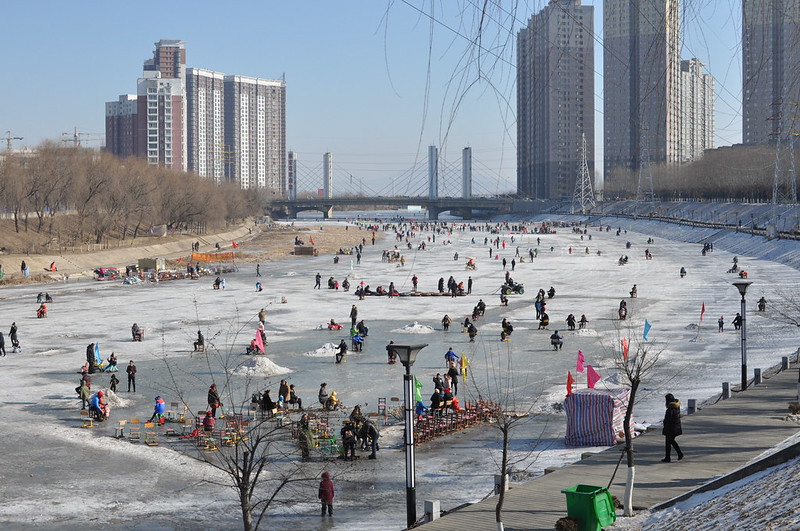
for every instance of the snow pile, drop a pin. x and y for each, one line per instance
(326, 350)
(415, 328)
(260, 366)
(114, 400)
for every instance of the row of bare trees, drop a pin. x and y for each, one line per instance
(729, 173)
(111, 197)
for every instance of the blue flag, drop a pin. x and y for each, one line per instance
(647, 327)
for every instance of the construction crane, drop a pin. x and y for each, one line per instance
(8, 138)
(75, 137)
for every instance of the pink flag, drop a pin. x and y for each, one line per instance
(581, 361)
(702, 311)
(592, 376)
(259, 341)
(570, 381)
(625, 349)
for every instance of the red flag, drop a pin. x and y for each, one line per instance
(570, 381)
(234, 244)
(625, 349)
(180, 259)
(311, 239)
(592, 376)
(702, 311)
(259, 341)
(581, 361)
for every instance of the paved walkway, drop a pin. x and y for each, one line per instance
(716, 440)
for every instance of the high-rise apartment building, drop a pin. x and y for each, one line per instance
(223, 127)
(641, 83)
(696, 111)
(205, 103)
(771, 69)
(555, 98)
(255, 131)
(121, 126)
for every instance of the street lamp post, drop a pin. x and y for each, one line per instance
(407, 355)
(742, 286)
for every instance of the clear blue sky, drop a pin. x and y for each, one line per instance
(357, 73)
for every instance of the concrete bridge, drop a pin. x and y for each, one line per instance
(462, 207)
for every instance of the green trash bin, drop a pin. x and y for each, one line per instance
(591, 506)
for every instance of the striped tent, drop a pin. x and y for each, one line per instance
(594, 416)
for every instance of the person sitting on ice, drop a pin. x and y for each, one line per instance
(40, 297)
(208, 422)
(200, 341)
(112, 363)
(259, 287)
(634, 292)
(217, 282)
(42, 311)
(380, 291)
(503, 299)
(363, 330)
(252, 348)
(556, 340)
(583, 322)
(333, 325)
(332, 403)
(346, 284)
(98, 407)
(137, 332)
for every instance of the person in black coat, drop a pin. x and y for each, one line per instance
(672, 427)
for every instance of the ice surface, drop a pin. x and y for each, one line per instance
(51, 459)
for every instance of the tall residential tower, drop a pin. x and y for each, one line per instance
(555, 98)
(771, 69)
(641, 84)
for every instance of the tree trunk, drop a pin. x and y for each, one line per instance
(247, 514)
(498, 511)
(626, 425)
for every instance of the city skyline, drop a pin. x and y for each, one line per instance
(357, 75)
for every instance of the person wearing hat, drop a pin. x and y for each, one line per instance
(672, 427)
(332, 403)
(158, 411)
(326, 494)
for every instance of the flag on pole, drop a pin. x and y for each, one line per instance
(702, 311)
(570, 381)
(581, 361)
(234, 244)
(259, 341)
(592, 376)
(311, 239)
(625, 348)
(464, 362)
(647, 327)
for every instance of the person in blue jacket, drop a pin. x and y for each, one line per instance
(158, 411)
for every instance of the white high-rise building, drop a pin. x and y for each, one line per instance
(696, 111)
(205, 94)
(255, 132)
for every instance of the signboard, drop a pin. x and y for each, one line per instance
(212, 257)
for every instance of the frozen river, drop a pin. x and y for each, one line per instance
(370, 494)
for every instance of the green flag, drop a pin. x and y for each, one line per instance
(417, 390)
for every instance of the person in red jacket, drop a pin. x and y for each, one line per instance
(326, 493)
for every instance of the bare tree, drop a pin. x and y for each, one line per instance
(635, 358)
(501, 396)
(259, 459)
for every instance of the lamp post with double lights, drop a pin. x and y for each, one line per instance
(408, 355)
(742, 286)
